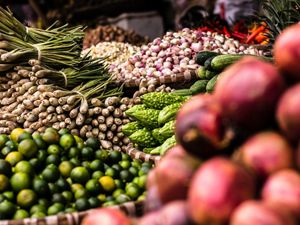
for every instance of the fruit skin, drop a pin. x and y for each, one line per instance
(200, 123)
(287, 113)
(266, 153)
(286, 52)
(143, 138)
(106, 216)
(146, 117)
(168, 113)
(259, 213)
(217, 188)
(283, 189)
(129, 128)
(248, 92)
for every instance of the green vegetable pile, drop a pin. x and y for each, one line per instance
(154, 122)
(56, 172)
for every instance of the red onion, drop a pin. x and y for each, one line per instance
(217, 188)
(266, 153)
(288, 112)
(259, 213)
(248, 92)
(283, 189)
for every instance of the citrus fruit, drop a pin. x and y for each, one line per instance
(97, 174)
(55, 209)
(81, 193)
(58, 198)
(125, 164)
(9, 195)
(93, 186)
(3, 139)
(63, 131)
(25, 167)
(87, 153)
(38, 215)
(7, 208)
(38, 208)
(4, 182)
(126, 176)
(54, 149)
(66, 141)
(122, 198)
(107, 183)
(20, 214)
(53, 159)
(50, 173)
(5, 167)
(26, 198)
(51, 136)
(97, 165)
(115, 156)
(14, 135)
(92, 142)
(74, 152)
(20, 181)
(80, 174)
(67, 195)
(94, 202)
(28, 148)
(65, 168)
(23, 136)
(14, 157)
(82, 204)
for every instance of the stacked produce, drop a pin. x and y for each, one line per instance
(154, 122)
(112, 34)
(55, 172)
(174, 54)
(238, 158)
(113, 52)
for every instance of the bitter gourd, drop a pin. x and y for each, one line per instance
(157, 136)
(133, 109)
(146, 117)
(167, 130)
(169, 143)
(129, 128)
(143, 138)
(168, 113)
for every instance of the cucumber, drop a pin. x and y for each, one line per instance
(198, 87)
(220, 62)
(201, 57)
(211, 84)
(210, 74)
(207, 64)
(183, 92)
(201, 72)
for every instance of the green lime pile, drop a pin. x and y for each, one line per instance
(56, 172)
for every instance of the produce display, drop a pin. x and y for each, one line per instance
(112, 34)
(174, 54)
(113, 52)
(237, 158)
(56, 172)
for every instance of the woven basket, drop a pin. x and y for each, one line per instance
(137, 154)
(132, 209)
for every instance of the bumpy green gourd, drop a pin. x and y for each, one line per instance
(168, 113)
(159, 100)
(169, 143)
(157, 136)
(167, 130)
(146, 117)
(129, 128)
(143, 138)
(134, 109)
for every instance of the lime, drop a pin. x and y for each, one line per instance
(74, 152)
(54, 149)
(53, 159)
(53, 188)
(133, 191)
(38, 208)
(78, 139)
(94, 202)
(25, 167)
(40, 143)
(3, 139)
(125, 164)
(28, 148)
(82, 204)
(51, 137)
(14, 135)
(136, 163)
(136, 180)
(62, 184)
(80, 145)
(111, 172)
(65, 168)
(126, 176)
(20, 181)
(26, 198)
(141, 198)
(50, 173)
(4, 182)
(63, 131)
(92, 142)
(115, 156)
(42, 155)
(117, 167)
(80, 175)
(86, 164)
(107, 183)
(93, 186)
(67, 195)
(66, 141)
(23, 136)
(38, 215)
(101, 198)
(75, 161)
(147, 164)
(97, 174)
(125, 157)
(36, 164)
(87, 153)
(122, 198)
(144, 170)
(5, 167)
(97, 165)
(70, 210)
(9, 195)
(64, 158)
(109, 203)
(102, 155)
(81, 193)
(40, 187)
(142, 181)
(12, 145)
(6, 150)
(14, 157)
(75, 187)
(117, 192)
(2, 198)
(55, 209)
(59, 198)
(44, 202)
(7, 209)
(119, 183)
(134, 171)
(20, 214)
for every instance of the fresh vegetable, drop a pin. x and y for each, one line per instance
(147, 117)
(182, 92)
(134, 109)
(159, 100)
(143, 138)
(167, 145)
(220, 62)
(167, 130)
(168, 113)
(217, 188)
(210, 74)
(201, 57)
(207, 64)
(243, 107)
(201, 72)
(129, 128)
(157, 136)
(211, 84)
(199, 87)
(266, 153)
